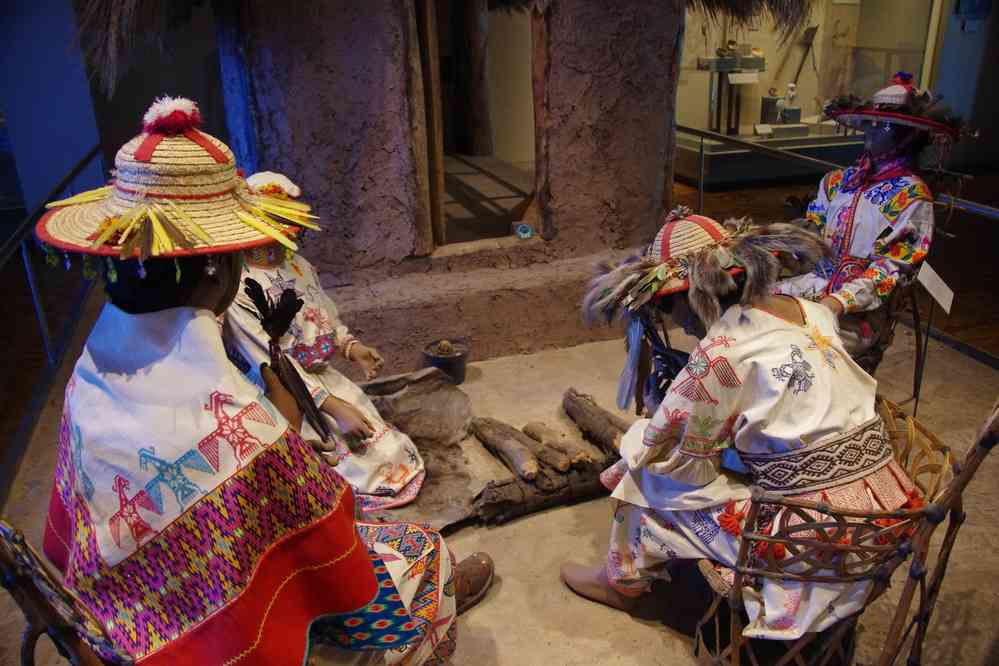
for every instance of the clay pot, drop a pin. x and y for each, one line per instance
(448, 355)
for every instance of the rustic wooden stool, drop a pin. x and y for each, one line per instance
(826, 544)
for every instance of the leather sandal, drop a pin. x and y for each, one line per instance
(472, 579)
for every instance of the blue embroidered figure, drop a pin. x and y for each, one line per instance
(86, 484)
(797, 373)
(172, 474)
(705, 528)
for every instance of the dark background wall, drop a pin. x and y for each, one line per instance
(45, 96)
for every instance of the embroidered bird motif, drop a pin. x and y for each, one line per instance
(172, 475)
(278, 284)
(701, 365)
(230, 429)
(128, 512)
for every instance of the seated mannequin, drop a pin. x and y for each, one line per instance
(382, 464)
(876, 216)
(187, 513)
(769, 385)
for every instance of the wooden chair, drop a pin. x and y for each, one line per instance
(50, 608)
(826, 544)
(902, 300)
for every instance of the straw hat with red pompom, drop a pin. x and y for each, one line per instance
(175, 192)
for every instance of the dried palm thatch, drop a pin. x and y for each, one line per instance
(111, 29)
(787, 15)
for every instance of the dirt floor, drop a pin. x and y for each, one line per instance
(530, 618)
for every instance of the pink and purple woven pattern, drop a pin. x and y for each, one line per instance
(205, 558)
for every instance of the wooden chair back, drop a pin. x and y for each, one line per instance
(50, 608)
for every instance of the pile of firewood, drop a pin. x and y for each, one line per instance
(549, 467)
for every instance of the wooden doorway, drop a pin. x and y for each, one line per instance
(477, 76)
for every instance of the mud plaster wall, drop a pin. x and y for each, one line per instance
(331, 110)
(608, 123)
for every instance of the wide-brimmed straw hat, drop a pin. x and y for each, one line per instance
(696, 254)
(900, 103)
(175, 192)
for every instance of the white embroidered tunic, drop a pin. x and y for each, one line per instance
(759, 394)
(878, 234)
(387, 470)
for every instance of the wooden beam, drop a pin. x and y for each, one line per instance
(477, 41)
(418, 131)
(432, 93)
(540, 66)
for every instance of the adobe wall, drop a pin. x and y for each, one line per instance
(330, 104)
(608, 119)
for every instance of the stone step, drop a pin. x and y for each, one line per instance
(499, 311)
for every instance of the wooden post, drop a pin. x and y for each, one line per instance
(540, 65)
(477, 42)
(418, 130)
(426, 16)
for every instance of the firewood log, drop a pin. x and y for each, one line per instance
(571, 447)
(505, 500)
(598, 425)
(494, 435)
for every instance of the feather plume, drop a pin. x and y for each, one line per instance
(767, 249)
(708, 282)
(276, 318)
(608, 294)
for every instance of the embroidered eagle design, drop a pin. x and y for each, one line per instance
(230, 429)
(701, 365)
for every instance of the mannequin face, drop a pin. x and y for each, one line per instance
(879, 139)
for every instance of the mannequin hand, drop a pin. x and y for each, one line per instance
(833, 304)
(351, 421)
(280, 397)
(368, 358)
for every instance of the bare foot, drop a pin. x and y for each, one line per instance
(591, 582)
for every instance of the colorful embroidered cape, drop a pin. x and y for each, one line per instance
(200, 529)
(878, 233)
(386, 470)
(782, 403)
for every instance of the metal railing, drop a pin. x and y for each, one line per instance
(55, 344)
(20, 239)
(791, 156)
(944, 200)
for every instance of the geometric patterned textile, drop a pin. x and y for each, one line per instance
(827, 463)
(428, 627)
(382, 624)
(204, 559)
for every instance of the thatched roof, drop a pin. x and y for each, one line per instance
(787, 15)
(109, 29)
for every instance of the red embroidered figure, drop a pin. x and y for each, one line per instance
(128, 512)
(230, 429)
(701, 365)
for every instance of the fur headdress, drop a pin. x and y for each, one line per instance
(698, 255)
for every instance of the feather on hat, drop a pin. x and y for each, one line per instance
(698, 255)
